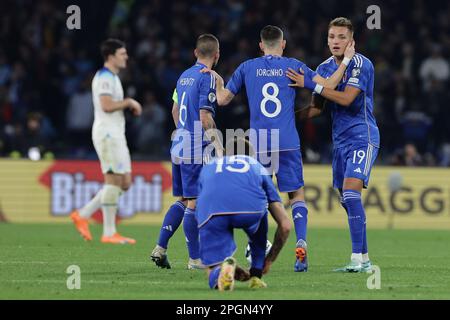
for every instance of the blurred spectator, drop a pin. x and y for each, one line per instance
(80, 115)
(416, 126)
(44, 68)
(149, 127)
(408, 156)
(445, 155)
(32, 136)
(435, 68)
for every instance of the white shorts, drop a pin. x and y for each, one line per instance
(113, 154)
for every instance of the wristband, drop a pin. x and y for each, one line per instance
(318, 89)
(346, 61)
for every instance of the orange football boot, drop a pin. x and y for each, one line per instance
(117, 239)
(81, 224)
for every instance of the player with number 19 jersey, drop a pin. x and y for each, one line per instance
(272, 103)
(356, 138)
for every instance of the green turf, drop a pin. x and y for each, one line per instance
(34, 259)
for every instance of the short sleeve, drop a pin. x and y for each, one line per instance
(320, 70)
(207, 93)
(308, 72)
(360, 74)
(237, 80)
(106, 84)
(175, 96)
(267, 183)
(270, 190)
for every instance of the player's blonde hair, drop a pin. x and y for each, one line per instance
(341, 22)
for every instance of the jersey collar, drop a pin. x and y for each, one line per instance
(271, 56)
(199, 64)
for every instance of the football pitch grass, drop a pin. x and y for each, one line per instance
(414, 264)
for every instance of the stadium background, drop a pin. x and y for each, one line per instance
(45, 100)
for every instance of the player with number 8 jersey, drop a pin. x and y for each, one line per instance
(272, 120)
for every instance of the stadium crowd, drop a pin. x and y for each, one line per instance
(46, 70)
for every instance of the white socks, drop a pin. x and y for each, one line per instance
(109, 201)
(356, 257)
(92, 206)
(365, 257)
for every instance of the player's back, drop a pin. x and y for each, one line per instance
(357, 121)
(270, 98)
(193, 87)
(233, 184)
(107, 83)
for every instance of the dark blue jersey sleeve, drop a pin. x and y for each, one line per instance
(267, 185)
(307, 71)
(359, 76)
(237, 79)
(207, 93)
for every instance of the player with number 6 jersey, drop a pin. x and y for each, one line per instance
(272, 120)
(194, 102)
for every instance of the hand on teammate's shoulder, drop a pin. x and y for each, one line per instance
(298, 78)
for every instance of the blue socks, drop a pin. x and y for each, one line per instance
(300, 217)
(356, 219)
(171, 222)
(214, 277)
(191, 232)
(364, 247)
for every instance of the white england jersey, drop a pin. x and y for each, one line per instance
(106, 82)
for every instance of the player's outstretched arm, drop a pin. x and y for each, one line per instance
(277, 211)
(344, 98)
(333, 81)
(224, 96)
(211, 132)
(108, 105)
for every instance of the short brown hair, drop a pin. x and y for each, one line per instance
(271, 34)
(341, 22)
(110, 46)
(207, 45)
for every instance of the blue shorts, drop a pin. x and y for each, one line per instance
(216, 236)
(185, 179)
(353, 161)
(287, 166)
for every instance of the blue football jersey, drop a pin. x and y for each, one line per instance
(234, 185)
(356, 122)
(271, 100)
(195, 91)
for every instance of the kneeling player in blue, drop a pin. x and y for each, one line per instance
(356, 138)
(235, 192)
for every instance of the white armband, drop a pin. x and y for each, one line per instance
(346, 61)
(318, 89)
